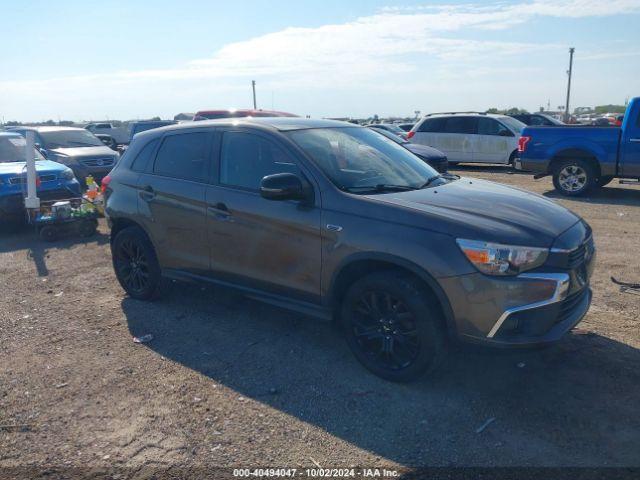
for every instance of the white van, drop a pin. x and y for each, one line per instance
(470, 137)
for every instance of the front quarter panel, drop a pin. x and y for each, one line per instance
(361, 229)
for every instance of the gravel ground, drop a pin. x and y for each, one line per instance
(227, 381)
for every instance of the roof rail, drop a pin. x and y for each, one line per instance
(453, 113)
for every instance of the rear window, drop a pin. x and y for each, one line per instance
(183, 156)
(142, 160)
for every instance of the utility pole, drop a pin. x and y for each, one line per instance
(567, 114)
(253, 86)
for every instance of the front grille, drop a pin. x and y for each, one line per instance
(569, 304)
(584, 252)
(576, 257)
(23, 180)
(97, 162)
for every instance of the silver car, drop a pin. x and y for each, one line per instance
(77, 148)
(470, 137)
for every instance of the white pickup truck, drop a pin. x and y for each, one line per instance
(119, 134)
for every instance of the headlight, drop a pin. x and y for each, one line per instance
(496, 259)
(67, 174)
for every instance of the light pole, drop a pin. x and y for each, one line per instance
(253, 86)
(569, 72)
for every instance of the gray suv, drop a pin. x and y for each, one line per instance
(77, 148)
(339, 222)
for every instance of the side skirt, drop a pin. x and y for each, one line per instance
(303, 307)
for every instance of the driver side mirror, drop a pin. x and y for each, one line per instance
(42, 151)
(283, 186)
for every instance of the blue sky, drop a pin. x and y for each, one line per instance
(83, 59)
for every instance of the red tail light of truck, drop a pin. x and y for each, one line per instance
(522, 144)
(410, 135)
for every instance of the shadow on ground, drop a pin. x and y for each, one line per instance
(572, 404)
(20, 236)
(465, 169)
(628, 196)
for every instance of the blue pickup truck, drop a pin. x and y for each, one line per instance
(581, 159)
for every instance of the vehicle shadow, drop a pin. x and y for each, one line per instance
(20, 236)
(574, 404)
(464, 169)
(609, 195)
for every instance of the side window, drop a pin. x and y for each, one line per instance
(433, 125)
(246, 159)
(183, 156)
(464, 125)
(141, 162)
(489, 126)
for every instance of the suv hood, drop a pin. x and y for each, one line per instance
(482, 210)
(42, 166)
(424, 151)
(79, 152)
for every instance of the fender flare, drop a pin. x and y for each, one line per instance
(400, 262)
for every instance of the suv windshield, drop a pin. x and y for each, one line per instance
(12, 149)
(359, 160)
(70, 139)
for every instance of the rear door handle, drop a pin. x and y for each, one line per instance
(147, 192)
(635, 140)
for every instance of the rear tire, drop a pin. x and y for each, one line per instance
(393, 326)
(512, 159)
(136, 264)
(49, 233)
(88, 228)
(574, 177)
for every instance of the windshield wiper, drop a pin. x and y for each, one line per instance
(381, 187)
(430, 181)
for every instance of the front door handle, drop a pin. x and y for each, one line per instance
(220, 211)
(635, 140)
(147, 192)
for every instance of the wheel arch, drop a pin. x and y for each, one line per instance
(360, 264)
(119, 224)
(575, 153)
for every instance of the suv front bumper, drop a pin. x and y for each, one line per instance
(528, 309)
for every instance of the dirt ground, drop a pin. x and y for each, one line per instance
(227, 381)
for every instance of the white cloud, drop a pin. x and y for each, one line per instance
(391, 43)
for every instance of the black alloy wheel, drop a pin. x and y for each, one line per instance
(135, 264)
(393, 325)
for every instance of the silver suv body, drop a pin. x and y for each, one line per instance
(77, 148)
(470, 137)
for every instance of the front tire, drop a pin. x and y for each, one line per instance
(574, 177)
(136, 264)
(393, 326)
